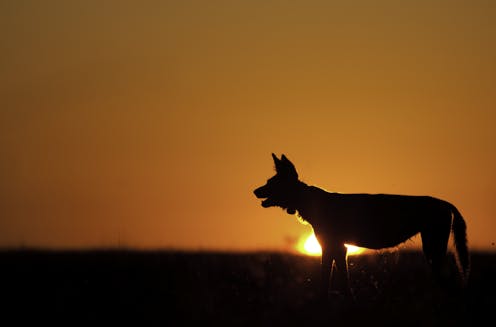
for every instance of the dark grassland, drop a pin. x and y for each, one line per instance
(162, 288)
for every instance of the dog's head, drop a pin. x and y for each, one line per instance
(279, 189)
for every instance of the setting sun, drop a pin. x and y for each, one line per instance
(310, 246)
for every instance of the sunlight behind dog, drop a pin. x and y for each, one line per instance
(310, 246)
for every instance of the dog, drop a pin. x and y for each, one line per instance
(373, 221)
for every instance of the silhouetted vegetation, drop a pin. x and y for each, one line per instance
(270, 289)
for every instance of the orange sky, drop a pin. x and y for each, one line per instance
(148, 124)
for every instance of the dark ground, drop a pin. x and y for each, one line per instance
(118, 288)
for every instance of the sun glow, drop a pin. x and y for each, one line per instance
(310, 246)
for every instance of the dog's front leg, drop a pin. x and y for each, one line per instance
(325, 273)
(339, 277)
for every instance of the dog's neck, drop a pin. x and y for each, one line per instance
(303, 202)
(300, 189)
(298, 198)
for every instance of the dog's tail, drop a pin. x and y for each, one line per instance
(460, 237)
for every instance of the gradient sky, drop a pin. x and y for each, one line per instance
(149, 123)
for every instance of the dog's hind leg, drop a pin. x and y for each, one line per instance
(435, 246)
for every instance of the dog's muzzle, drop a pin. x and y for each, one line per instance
(260, 193)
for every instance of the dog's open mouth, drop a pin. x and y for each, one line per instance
(267, 203)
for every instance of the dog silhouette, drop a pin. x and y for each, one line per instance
(373, 221)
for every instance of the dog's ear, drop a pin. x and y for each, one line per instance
(276, 159)
(277, 163)
(288, 167)
(285, 159)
